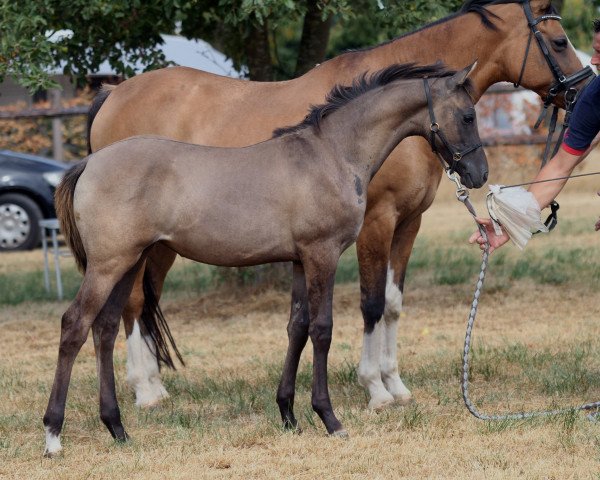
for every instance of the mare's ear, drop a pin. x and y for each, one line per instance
(460, 77)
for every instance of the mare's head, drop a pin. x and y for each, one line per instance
(518, 52)
(452, 125)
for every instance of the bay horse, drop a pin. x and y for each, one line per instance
(247, 206)
(198, 107)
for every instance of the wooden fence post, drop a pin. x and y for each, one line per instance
(57, 138)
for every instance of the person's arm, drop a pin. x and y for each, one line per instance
(580, 139)
(561, 165)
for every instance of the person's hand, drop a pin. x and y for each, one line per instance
(495, 241)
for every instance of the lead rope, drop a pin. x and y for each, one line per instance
(462, 194)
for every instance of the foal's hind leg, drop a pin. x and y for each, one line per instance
(320, 265)
(297, 330)
(76, 322)
(373, 249)
(143, 374)
(105, 330)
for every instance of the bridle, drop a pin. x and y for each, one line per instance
(434, 129)
(562, 83)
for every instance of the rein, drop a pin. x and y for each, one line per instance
(434, 129)
(562, 83)
(462, 194)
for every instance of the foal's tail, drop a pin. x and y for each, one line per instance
(154, 321)
(97, 103)
(63, 200)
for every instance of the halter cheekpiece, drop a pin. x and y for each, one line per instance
(434, 129)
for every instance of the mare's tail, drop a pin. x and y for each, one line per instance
(63, 200)
(156, 326)
(97, 103)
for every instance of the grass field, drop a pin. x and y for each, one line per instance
(536, 346)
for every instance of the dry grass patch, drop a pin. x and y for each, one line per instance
(536, 346)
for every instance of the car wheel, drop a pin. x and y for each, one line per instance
(19, 218)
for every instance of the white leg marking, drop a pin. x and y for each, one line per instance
(53, 445)
(142, 370)
(389, 360)
(369, 375)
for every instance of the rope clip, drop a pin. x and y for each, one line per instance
(462, 193)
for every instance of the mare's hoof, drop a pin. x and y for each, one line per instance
(379, 405)
(55, 454)
(341, 434)
(404, 400)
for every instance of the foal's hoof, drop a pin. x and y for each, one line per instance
(341, 434)
(123, 439)
(292, 427)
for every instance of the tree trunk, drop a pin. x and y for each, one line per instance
(315, 36)
(259, 54)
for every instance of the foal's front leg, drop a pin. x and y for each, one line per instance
(297, 330)
(320, 268)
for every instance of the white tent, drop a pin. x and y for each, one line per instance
(189, 53)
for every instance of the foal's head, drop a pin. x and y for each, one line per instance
(453, 128)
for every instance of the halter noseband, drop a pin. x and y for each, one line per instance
(434, 129)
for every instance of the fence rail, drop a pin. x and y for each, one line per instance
(488, 141)
(44, 112)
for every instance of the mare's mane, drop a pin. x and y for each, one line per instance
(340, 95)
(470, 6)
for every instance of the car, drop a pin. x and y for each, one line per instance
(27, 184)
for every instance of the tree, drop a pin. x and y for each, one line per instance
(274, 39)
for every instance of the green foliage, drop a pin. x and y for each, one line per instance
(128, 31)
(122, 31)
(24, 49)
(578, 16)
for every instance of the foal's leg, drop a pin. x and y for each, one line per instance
(105, 330)
(143, 374)
(320, 265)
(404, 238)
(76, 322)
(373, 249)
(297, 330)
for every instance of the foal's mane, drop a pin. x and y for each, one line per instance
(340, 95)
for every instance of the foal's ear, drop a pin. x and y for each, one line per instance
(460, 77)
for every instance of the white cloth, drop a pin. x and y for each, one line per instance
(517, 211)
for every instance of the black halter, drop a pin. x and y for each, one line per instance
(562, 83)
(434, 129)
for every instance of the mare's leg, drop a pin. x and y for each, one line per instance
(404, 238)
(105, 330)
(297, 330)
(373, 249)
(95, 290)
(319, 265)
(143, 373)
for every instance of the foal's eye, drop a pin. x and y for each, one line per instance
(468, 119)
